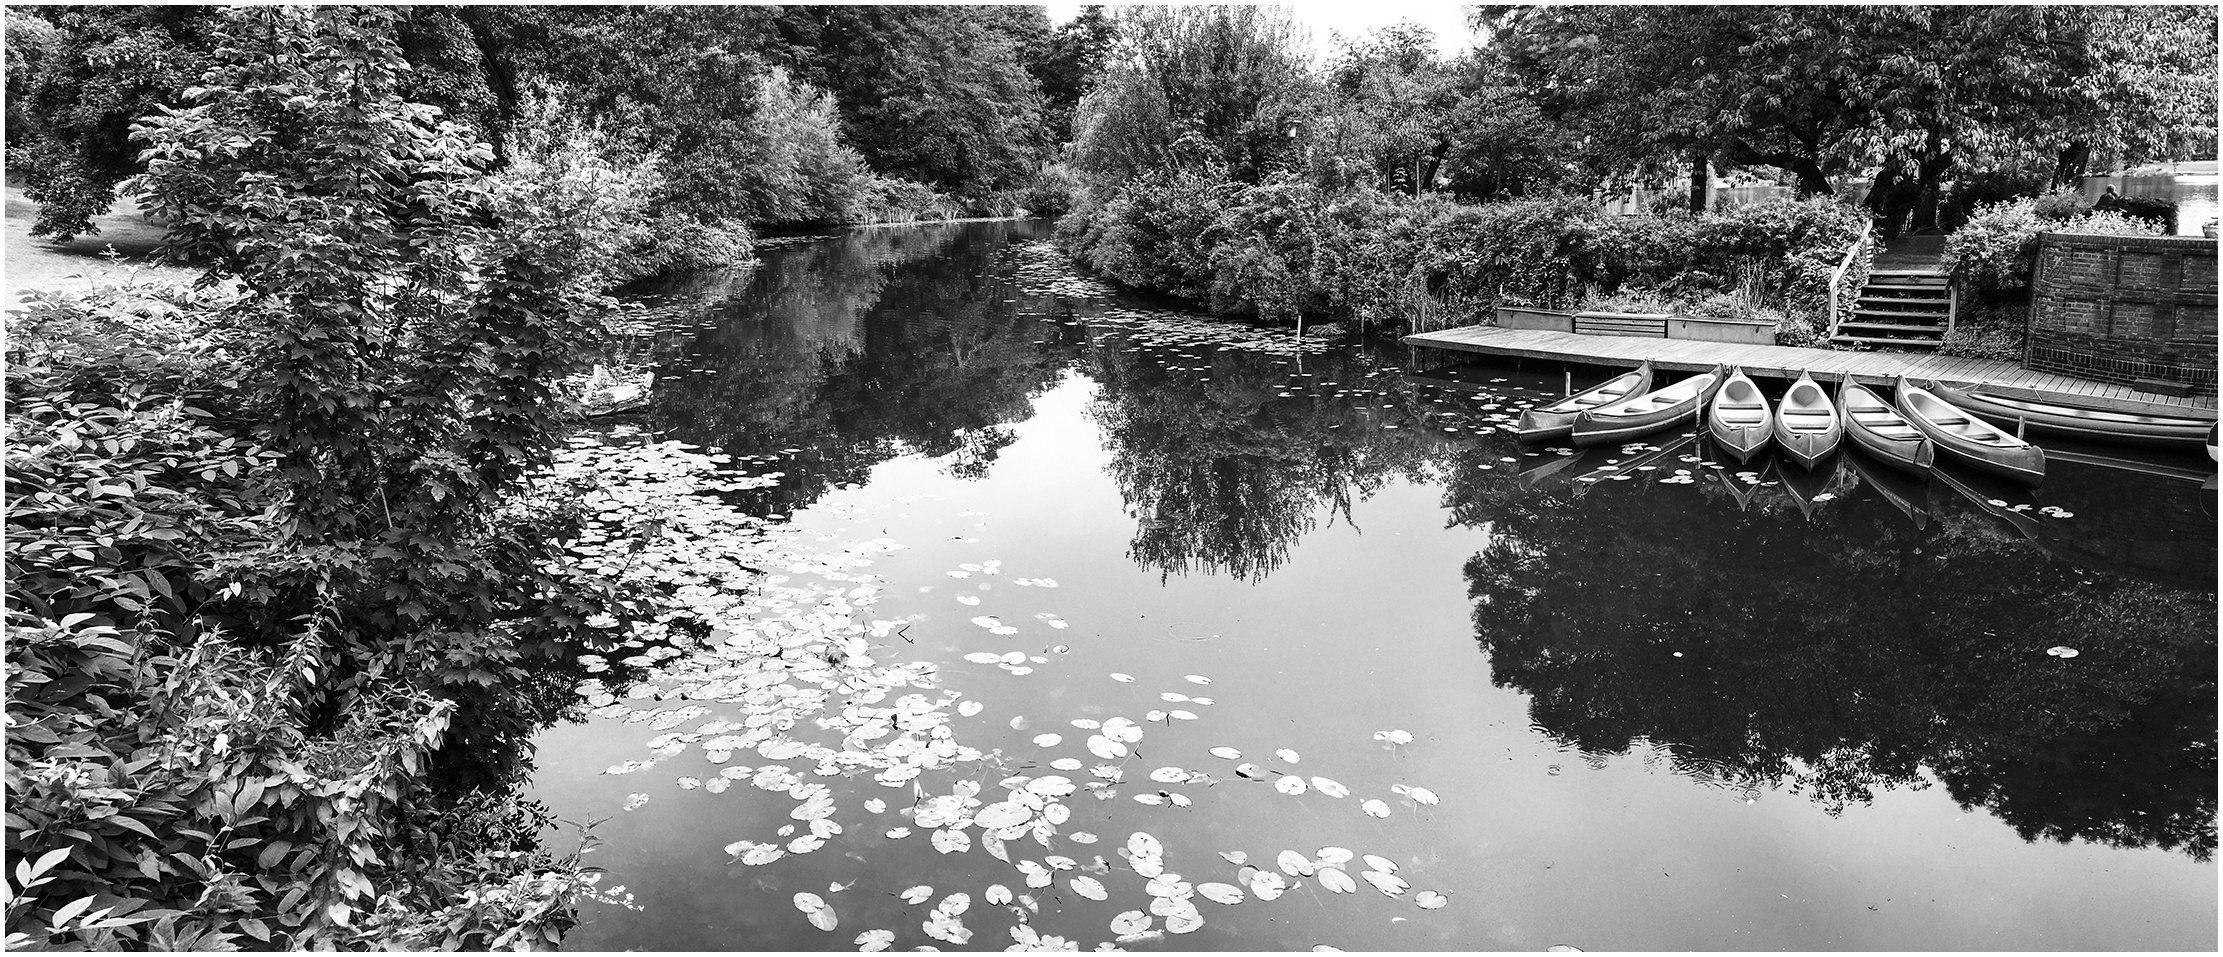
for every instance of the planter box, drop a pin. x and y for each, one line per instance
(1646, 325)
(1523, 317)
(1721, 330)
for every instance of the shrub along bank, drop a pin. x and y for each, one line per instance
(1286, 248)
(287, 591)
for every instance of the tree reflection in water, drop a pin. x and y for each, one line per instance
(1225, 474)
(1832, 657)
(860, 348)
(1852, 653)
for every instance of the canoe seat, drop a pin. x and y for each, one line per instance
(1950, 420)
(1806, 414)
(1743, 405)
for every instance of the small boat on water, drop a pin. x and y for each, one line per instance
(1970, 439)
(2081, 416)
(1645, 414)
(1905, 492)
(1554, 420)
(1881, 431)
(1807, 425)
(2212, 431)
(1738, 418)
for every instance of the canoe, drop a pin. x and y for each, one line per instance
(1806, 425)
(1970, 439)
(1905, 493)
(2081, 416)
(1739, 419)
(1878, 429)
(2211, 444)
(1645, 414)
(1556, 419)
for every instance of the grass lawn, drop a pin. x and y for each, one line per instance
(38, 264)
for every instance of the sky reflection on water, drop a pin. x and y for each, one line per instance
(1699, 718)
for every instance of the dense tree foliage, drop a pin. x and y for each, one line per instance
(1913, 92)
(750, 116)
(1183, 86)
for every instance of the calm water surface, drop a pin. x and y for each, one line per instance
(1670, 708)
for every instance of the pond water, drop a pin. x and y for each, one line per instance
(1670, 708)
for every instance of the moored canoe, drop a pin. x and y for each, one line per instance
(1738, 418)
(1878, 429)
(1645, 414)
(1807, 425)
(1554, 420)
(2094, 418)
(1970, 439)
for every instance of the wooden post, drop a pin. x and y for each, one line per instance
(2020, 422)
(1570, 384)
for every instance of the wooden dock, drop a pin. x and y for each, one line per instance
(1688, 355)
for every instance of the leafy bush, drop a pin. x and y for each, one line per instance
(1997, 251)
(885, 199)
(1285, 248)
(2156, 211)
(1052, 192)
(280, 589)
(1986, 333)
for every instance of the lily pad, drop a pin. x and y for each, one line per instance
(1334, 879)
(1220, 893)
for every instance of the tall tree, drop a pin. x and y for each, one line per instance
(938, 95)
(1070, 66)
(1221, 84)
(1914, 93)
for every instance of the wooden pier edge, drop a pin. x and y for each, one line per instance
(1785, 362)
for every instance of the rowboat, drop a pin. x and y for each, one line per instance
(2081, 416)
(1554, 421)
(1738, 418)
(1807, 426)
(1970, 439)
(1648, 413)
(1881, 431)
(2211, 444)
(1901, 489)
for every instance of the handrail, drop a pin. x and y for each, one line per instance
(1837, 278)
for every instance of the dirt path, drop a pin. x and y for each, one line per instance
(38, 264)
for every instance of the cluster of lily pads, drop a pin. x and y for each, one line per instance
(767, 652)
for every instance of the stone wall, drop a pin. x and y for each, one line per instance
(2124, 308)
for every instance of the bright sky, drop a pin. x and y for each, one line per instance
(1353, 19)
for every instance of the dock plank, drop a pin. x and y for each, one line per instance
(1783, 362)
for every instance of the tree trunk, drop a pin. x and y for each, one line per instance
(2075, 158)
(1699, 181)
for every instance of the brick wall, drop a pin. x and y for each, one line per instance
(2122, 308)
